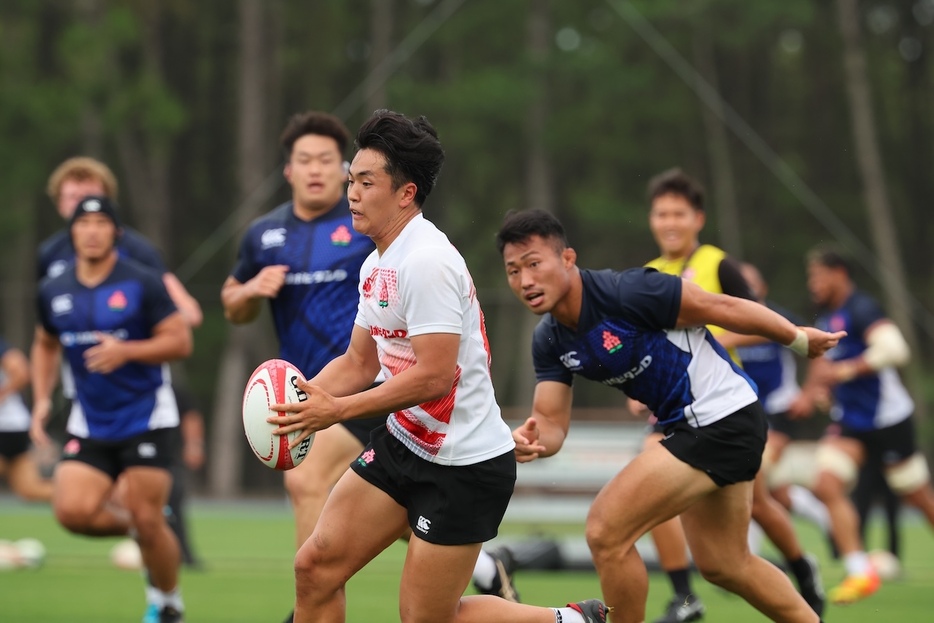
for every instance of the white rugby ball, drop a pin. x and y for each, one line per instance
(273, 382)
(886, 564)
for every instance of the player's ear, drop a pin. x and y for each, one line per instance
(346, 168)
(287, 172)
(569, 256)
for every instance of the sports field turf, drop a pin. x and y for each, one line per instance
(248, 552)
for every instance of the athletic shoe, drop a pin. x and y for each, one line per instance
(812, 588)
(855, 587)
(170, 615)
(593, 610)
(502, 581)
(683, 608)
(152, 614)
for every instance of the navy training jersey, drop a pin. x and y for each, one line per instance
(866, 402)
(772, 367)
(626, 338)
(314, 311)
(128, 304)
(56, 252)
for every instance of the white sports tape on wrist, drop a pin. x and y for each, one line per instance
(800, 343)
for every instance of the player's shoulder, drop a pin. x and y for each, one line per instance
(127, 267)
(54, 242)
(279, 216)
(709, 253)
(131, 237)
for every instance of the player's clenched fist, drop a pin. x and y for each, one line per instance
(269, 281)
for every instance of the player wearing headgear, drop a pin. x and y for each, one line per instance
(116, 325)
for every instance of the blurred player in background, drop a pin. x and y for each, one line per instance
(643, 332)
(676, 218)
(70, 182)
(115, 323)
(17, 463)
(871, 408)
(443, 465)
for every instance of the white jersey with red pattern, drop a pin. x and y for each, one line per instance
(420, 285)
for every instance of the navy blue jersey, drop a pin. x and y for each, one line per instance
(56, 252)
(128, 304)
(315, 309)
(773, 369)
(626, 338)
(871, 401)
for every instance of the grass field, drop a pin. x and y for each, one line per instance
(248, 553)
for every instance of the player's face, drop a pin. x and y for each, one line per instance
(822, 283)
(675, 224)
(73, 191)
(376, 207)
(538, 273)
(93, 236)
(316, 173)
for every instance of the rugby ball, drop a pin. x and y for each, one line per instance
(886, 564)
(273, 382)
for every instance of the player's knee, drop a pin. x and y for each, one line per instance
(73, 518)
(306, 486)
(311, 572)
(839, 464)
(909, 475)
(148, 523)
(716, 572)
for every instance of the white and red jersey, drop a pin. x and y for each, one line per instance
(421, 285)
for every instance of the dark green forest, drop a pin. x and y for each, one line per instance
(808, 121)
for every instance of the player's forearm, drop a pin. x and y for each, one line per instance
(414, 386)
(44, 363)
(240, 307)
(159, 349)
(551, 434)
(749, 318)
(184, 301)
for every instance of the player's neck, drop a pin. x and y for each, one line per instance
(682, 254)
(92, 272)
(842, 296)
(568, 310)
(311, 212)
(391, 231)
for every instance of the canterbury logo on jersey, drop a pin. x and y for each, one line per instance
(318, 276)
(628, 376)
(423, 525)
(62, 304)
(570, 360)
(273, 238)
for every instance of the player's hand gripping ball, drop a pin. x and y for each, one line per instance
(273, 382)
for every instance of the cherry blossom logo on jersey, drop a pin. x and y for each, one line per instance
(611, 343)
(383, 294)
(117, 301)
(341, 236)
(837, 322)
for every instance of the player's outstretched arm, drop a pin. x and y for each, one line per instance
(184, 301)
(699, 307)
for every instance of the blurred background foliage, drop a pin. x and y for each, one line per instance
(569, 106)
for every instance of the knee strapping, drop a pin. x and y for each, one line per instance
(839, 463)
(908, 476)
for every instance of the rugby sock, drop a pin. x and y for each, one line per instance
(680, 581)
(804, 503)
(484, 572)
(857, 563)
(801, 570)
(568, 615)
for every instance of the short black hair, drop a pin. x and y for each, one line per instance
(830, 255)
(313, 122)
(520, 226)
(411, 148)
(677, 182)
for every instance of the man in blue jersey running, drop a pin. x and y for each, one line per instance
(117, 327)
(643, 332)
(871, 408)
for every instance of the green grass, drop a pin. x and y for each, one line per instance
(248, 554)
